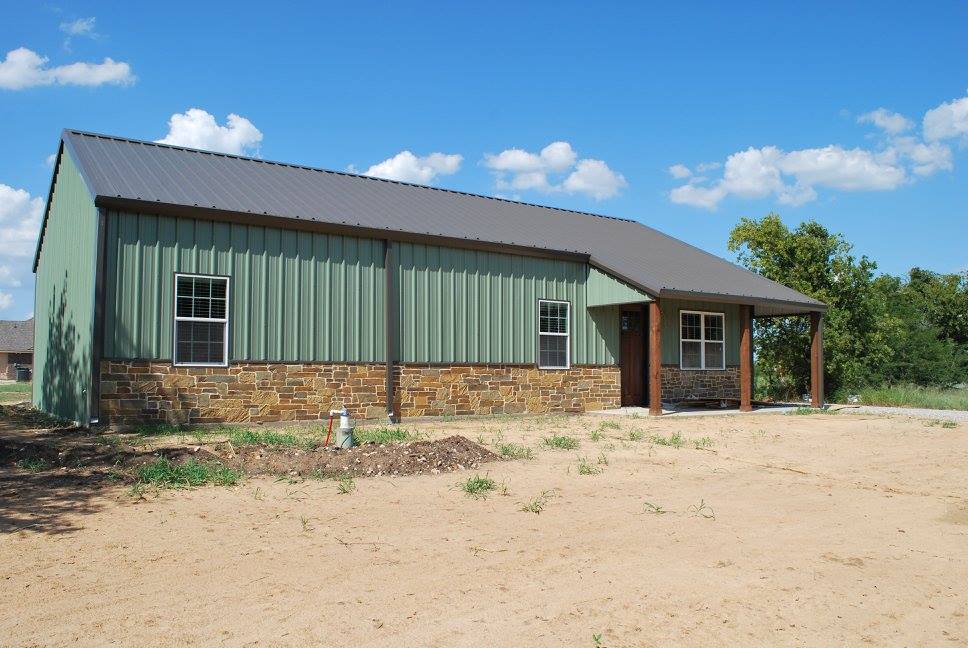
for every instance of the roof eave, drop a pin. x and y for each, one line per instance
(796, 307)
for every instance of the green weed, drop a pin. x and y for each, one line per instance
(674, 440)
(945, 423)
(163, 473)
(515, 451)
(636, 435)
(382, 435)
(33, 464)
(586, 468)
(654, 509)
(345, 485)
(243, 437)
(807, 411)
(478, 487)
(702, 443)
(538, 503)
(561, 442)
(702, 510)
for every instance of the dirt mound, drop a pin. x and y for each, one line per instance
(368, 460)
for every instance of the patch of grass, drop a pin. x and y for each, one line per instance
(33, 464)
(602, 459)
(538, 503)
(561, 442)
(807, 411)
(587, 468)
(636, 435)
(15, 388)
(382, 435)
(478, 487)
(913, 396)
(243, 437)
(345, 485)
(595, 436)
(702, 443)
(945, 423)
(609, 425)
(597, 640)
(674, 440)
(164, 473)
(654, 509)
(515, 451)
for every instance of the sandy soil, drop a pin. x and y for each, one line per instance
(816, 530)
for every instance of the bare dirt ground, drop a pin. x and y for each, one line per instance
(783, 530)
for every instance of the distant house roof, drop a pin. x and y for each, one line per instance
(17, 336)
(130, 174)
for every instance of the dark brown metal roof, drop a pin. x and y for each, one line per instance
(118, 169)
(17, 336)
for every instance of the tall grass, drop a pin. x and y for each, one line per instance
(913, 396)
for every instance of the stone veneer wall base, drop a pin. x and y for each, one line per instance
(679, 384)
(143, 391)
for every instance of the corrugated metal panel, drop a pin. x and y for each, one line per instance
(481, 307)
(64, 299)
(605, 290)
(295, 296)
(670, 327)
(128, 169)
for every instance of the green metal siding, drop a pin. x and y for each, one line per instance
(467, 306)
(604, 290)
(64, 299)
(295, 296)
(670, 327)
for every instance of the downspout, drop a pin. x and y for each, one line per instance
(390, 324)
(97, 344)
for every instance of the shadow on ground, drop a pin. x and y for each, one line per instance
(51, 473)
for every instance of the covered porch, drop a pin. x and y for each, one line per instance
(678, 349)
(746, 313)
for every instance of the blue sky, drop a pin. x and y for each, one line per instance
(685, 117)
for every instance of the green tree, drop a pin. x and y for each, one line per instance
(817, 263)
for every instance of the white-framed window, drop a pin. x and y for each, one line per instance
(201, 327)
(702, 340)
(554, 340)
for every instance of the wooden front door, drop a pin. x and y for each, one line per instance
(632, 358)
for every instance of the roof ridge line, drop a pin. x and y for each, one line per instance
(188, 149)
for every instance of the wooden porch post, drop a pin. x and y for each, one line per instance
(655, 358)
(746, 359)
(816, 360)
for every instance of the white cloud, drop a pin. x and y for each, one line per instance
(80, 27)
(793, 177)
(50, 160)
(24, 68)
(889, 122)
(926, 159)
(522, 170)
(8, 277)
(594, 178)
(407, 167)
(195, 128)
(947, 121)
(20, 216)
(679, 171)
(556, 157)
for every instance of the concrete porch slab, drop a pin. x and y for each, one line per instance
(642, 412)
